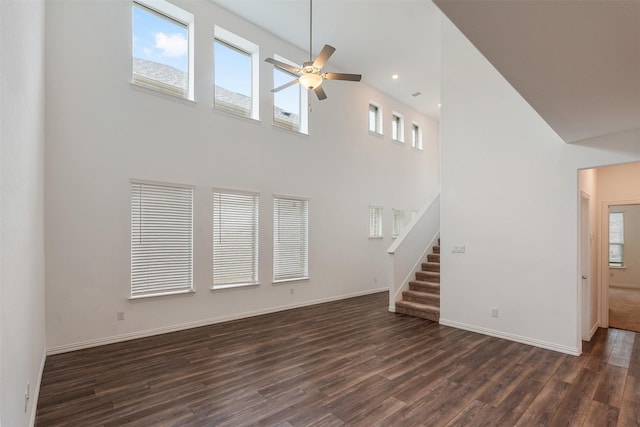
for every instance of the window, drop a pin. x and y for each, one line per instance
(163, 47)
(235, 238)
(235, 74)
(290, 239)
(289, 104)
(398, 223)
(616, 239)
(397, 127)
(161, 239)
(375, 222)
(416, 137)
(375, 122)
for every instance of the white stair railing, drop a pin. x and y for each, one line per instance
(410, 248)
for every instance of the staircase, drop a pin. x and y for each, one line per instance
(423, 297)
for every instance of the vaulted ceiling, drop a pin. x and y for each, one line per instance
(577, 62)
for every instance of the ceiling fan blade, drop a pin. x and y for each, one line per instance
(320, 93)
(324, 55)
(343, 76)
(283, 65)
(284, 86)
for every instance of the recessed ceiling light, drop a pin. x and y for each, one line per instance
(395, 77)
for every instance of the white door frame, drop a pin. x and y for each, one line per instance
(584, 262)
(604, 257)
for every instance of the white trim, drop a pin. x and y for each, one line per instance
(574, 351)
(36, 390)
(180, 327)
(163, 183)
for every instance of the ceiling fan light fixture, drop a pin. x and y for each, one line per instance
(310, 80)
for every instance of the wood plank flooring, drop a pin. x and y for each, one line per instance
(349, 362)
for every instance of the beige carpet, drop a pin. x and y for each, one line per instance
(624, 308)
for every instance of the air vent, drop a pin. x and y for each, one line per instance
(416, 94)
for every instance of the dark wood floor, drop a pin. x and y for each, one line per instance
(344, 363)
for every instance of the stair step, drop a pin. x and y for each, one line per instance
(421, 286)
(433, 257)
(428, 276)
(436, 249)
(423, 311)
(427, 298)
(431, 266)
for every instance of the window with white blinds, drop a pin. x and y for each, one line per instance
(398, 222)
(235, 238)
(161, 239)
(290, 239)
(375, 221)
(616, 239)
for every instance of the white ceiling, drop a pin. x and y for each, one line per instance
(375, 38)
(577, 62)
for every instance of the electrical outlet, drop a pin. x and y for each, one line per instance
(121, 315)
(494, 312)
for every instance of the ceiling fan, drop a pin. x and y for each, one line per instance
(311, 75)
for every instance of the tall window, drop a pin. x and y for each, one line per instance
(235, 238)
(289, 104)
(398, 222)
(161, 239)
(375, 118)
(616, 239)
(290, 239)
(235, 74)
(163, 47)
(375, 222)
(397, 127)
(416, 137)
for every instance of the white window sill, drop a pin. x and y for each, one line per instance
(296, 279)
(376, 237)
(161, 94)
(228, 113)
(617, 268)
(397, 141)
(376, 134)
(233, 286)
(162, 294)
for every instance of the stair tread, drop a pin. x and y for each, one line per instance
(421, 294)
(425, 283)
(418, 306)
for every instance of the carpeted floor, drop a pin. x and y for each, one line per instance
(624, 308)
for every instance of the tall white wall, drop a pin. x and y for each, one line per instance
(510, 194)
(102, 131)
(22, 327)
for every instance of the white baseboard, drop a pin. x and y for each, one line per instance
(205, 322)
(512, 337)
(36, 390)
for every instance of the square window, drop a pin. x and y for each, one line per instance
(235, 71)
(375, 222)
(416, 137)
(163, 48)
(397, 127)
(289, 104)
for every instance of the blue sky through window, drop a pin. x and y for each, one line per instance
(288, 99)
(232, 69)
(159, 39)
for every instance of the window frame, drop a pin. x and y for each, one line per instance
(304, 244)
(398, 223)
(249, 48)
(255, 237)
(180, 16)
(416, 136)
(375, 222)
(376, 109)
(303, 100)
(398, 120)
(619, 244)
(135, 272)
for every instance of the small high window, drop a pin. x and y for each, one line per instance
(375, 222)
(289, 104)
(375, 118)
(416, 137)
(397, 127)
(616, 239)
(398, 222)
(235, 74)
(163, 47)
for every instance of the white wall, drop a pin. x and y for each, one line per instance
(510, 194)
(22, 328)
(102, 131)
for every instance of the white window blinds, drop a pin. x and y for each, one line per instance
(398, 222)
(375, 221)
(616, 239)
(290, 239)
(161, 239)
(235, 238)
